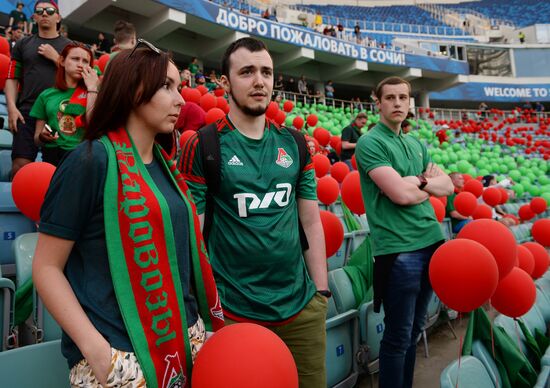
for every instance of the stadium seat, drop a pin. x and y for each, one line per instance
(543, 305)
(6, 140)
(8, 337)
(447, 228)
(342, 346)
(12, 224)
(5, 164)
(338, 260)
(372, 331)
(45, 327)
(469, 373)
(39, 365)
(434, 307)
(482, 354)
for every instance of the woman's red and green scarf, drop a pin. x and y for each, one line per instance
(144, 266)
(77, 106)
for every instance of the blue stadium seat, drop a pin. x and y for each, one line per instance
(40, 365)
(432, 314)
(543, 304)
(471, 374)
(6, 139)
(45, 327)
(5, 165)
(482, 354)
(8, 337)
(12, 224)
(339, 259)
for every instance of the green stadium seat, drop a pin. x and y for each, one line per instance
(480, 352)
(471, 374)
(39, 365)
(8, 337)
(45, 328)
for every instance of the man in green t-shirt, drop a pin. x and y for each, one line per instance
(397, 179)
(350, 135)
(458, 221)
(253, 242)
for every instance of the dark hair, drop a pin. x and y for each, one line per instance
(60, 82)
(251, 44)
(124, 31)
(405, 123)
(390, 81)
(128, 82)
(361, 115)
(486, 180)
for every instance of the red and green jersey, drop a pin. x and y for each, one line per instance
(254, 243)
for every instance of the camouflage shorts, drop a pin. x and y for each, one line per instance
(125, 370)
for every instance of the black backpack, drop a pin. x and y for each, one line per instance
(209, 143)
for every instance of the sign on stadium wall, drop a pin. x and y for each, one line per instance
(494, 92)
(309, 39)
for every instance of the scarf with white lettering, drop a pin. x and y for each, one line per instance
(144, 265)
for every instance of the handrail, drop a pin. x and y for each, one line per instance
(321, 99)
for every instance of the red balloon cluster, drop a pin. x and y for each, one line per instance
(288, 106)
(321, 164)
(219, 92)
(334, 232)
(336, 144)
(208, 101)
(244, 355)
(202, 89)
(541, 258)
(482, 211)
(439, 209)
(312, 120)
(29, 188)
(541, 232)
(4, 67)
(191, 95)
(339, 170)
(526, 260)
(525, 213)
(322, 136)
(327, 190)
(474, 186)
(465, 203)
(213, 115)
(351, 193)
(492, 196)
(298, 122)
(515, 294)
(538, 205)
(272, 110)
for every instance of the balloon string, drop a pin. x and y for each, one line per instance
(459, 360)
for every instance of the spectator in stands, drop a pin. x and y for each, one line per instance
(458, 221)
(258, 284)
(213, 81)
(340, 29)
(302, 85)
(397, 180)
(103, 43)
(521, 37)
(16, 34)
(318, 19)
(539, 107)
(125, 36)
(194, 69)
(332, 31)
(67, 106)
(266, 14)
(291, 85)
(79, 248)
(33, 66)
(483, 109)
(350, 136)
(17, 16)
(358, 105)
(185, 75)
(406, 127)
(464, 117)
(357, 33)
(329, 91)
(279, 85)
(200, 79)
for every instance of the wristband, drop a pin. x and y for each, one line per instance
(325, 293)
(93, 91)
(423, 181)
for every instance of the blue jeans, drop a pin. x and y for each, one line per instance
(405, 302)
(460, 225)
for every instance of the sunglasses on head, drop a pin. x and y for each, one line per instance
(144, 43)
(49, 10)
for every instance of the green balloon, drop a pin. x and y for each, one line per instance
(546, 196)
(457, 147)
(436, 159)
(453, 167)
(515, 175)
(518, 189)
(463, 166)
(444, 145)
(445, 159)
(483, 172)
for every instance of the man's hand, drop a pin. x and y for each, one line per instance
(13, 117)
(432, 171)
(47, 51)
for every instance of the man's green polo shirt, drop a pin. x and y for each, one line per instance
(395, 228)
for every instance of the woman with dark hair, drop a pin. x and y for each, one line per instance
(120, 260)
(61, 111)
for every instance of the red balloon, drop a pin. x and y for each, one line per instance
(322, 136)
(102, 62)
(503, 195)
(474, 186)
(466, 177)
(334, 232)
(312, 120)
(336, 144)
(202, 89)
(351, 193)
(221, 103)
(492, 196)
(208, 101)
(482, 211)
(354, 162)
(321, 164)
(272, 110)
(280, 117)
(541, 232)
(497, 238)
(339, 170)
(525, 213)
(439, 209)
(327, 190)
(214, 115)
(538, 205)
(29, 188)
(526, 260)
(298, 122)
(443, 200)
(185, 135)
(541, 258)
(244, 355)
(193, 95)
(463, 274)
(515, 294)
(219, 92)
(4, 47)
(465, 203)
(4, 66)
(288, 106)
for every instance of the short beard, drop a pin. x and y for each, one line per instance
(249, 111)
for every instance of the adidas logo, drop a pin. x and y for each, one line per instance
(234, 161)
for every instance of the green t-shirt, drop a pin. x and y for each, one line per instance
(254, 242)
(193, 68)
(351, 134)
(451, 207)
(395, 228)
(49, 106)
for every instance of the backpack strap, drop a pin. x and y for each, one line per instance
(303, 150)
(209, 143)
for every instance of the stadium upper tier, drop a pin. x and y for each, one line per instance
(350, 15)
(520, 13)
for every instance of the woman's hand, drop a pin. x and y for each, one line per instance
(91, 80)
(99, 358)
(46, 136)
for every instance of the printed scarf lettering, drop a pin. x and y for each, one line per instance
(144, 266)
